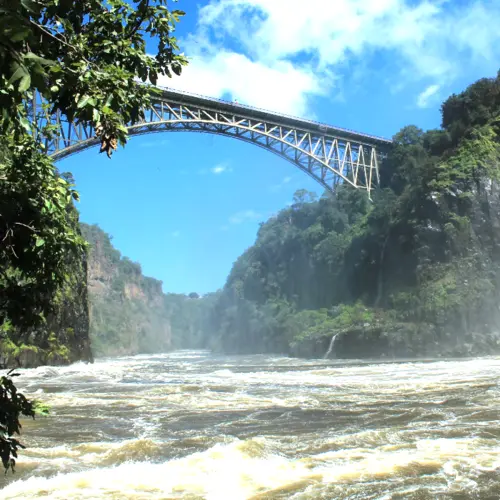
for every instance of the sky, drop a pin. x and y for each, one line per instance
(186, 205)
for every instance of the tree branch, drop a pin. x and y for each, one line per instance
(57, 39)
(47, 32)
(141, 19)
(25, 225)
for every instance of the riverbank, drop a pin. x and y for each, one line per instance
(402, 343)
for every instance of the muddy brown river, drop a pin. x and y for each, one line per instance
(192, 425)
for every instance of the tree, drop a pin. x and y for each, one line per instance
(87, 61)
(476, 105)
(302, 196)
(38, 234)
(84, 58)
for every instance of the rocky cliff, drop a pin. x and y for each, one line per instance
(63, 337)
(414, 273)
(127, 310)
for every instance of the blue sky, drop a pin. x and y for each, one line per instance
(187, 205)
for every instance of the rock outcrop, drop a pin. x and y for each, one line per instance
(128, 314)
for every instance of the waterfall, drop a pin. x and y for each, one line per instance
(331, 346)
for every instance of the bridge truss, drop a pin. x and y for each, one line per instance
(330, 155)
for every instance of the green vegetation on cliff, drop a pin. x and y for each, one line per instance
(415, 273)
(82, 61)
(129, 313)
(43, 299)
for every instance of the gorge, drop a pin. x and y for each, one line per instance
(413, 274)
(352, 350)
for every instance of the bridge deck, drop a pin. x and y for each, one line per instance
(273, 117)
(331, 155)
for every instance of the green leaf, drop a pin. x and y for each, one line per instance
(84, 101)
(48, 204)
(25, 83)
(18, 72)
(177, 14)
(25, 123)
(22, 34)
(177, 68)
(38, 59)
(39, 242)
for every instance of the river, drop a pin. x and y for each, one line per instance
(192, 425)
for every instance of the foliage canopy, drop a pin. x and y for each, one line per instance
(90, 62)
(85, 59)
(12, 405)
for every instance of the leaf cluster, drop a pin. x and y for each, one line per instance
(38, 234)
(85, 59)
(12, 405)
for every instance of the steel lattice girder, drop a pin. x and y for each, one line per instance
(327, 154)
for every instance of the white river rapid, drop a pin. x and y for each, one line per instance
(192, 425)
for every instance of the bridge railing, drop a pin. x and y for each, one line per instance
(322, 126)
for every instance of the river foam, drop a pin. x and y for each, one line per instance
(190, 425)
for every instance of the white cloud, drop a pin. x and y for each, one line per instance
(277, 54)
(217, 170)
(243, 216)
(221, 168)
(425, 97)
(278, 86)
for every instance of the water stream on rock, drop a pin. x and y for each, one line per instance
(331, 346)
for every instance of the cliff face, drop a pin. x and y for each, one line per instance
(416, 273)
(64, 337)
(127, 310)
(71, 322)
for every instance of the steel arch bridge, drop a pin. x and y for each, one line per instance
(328, 154)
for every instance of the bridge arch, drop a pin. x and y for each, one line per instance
(327, 154)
